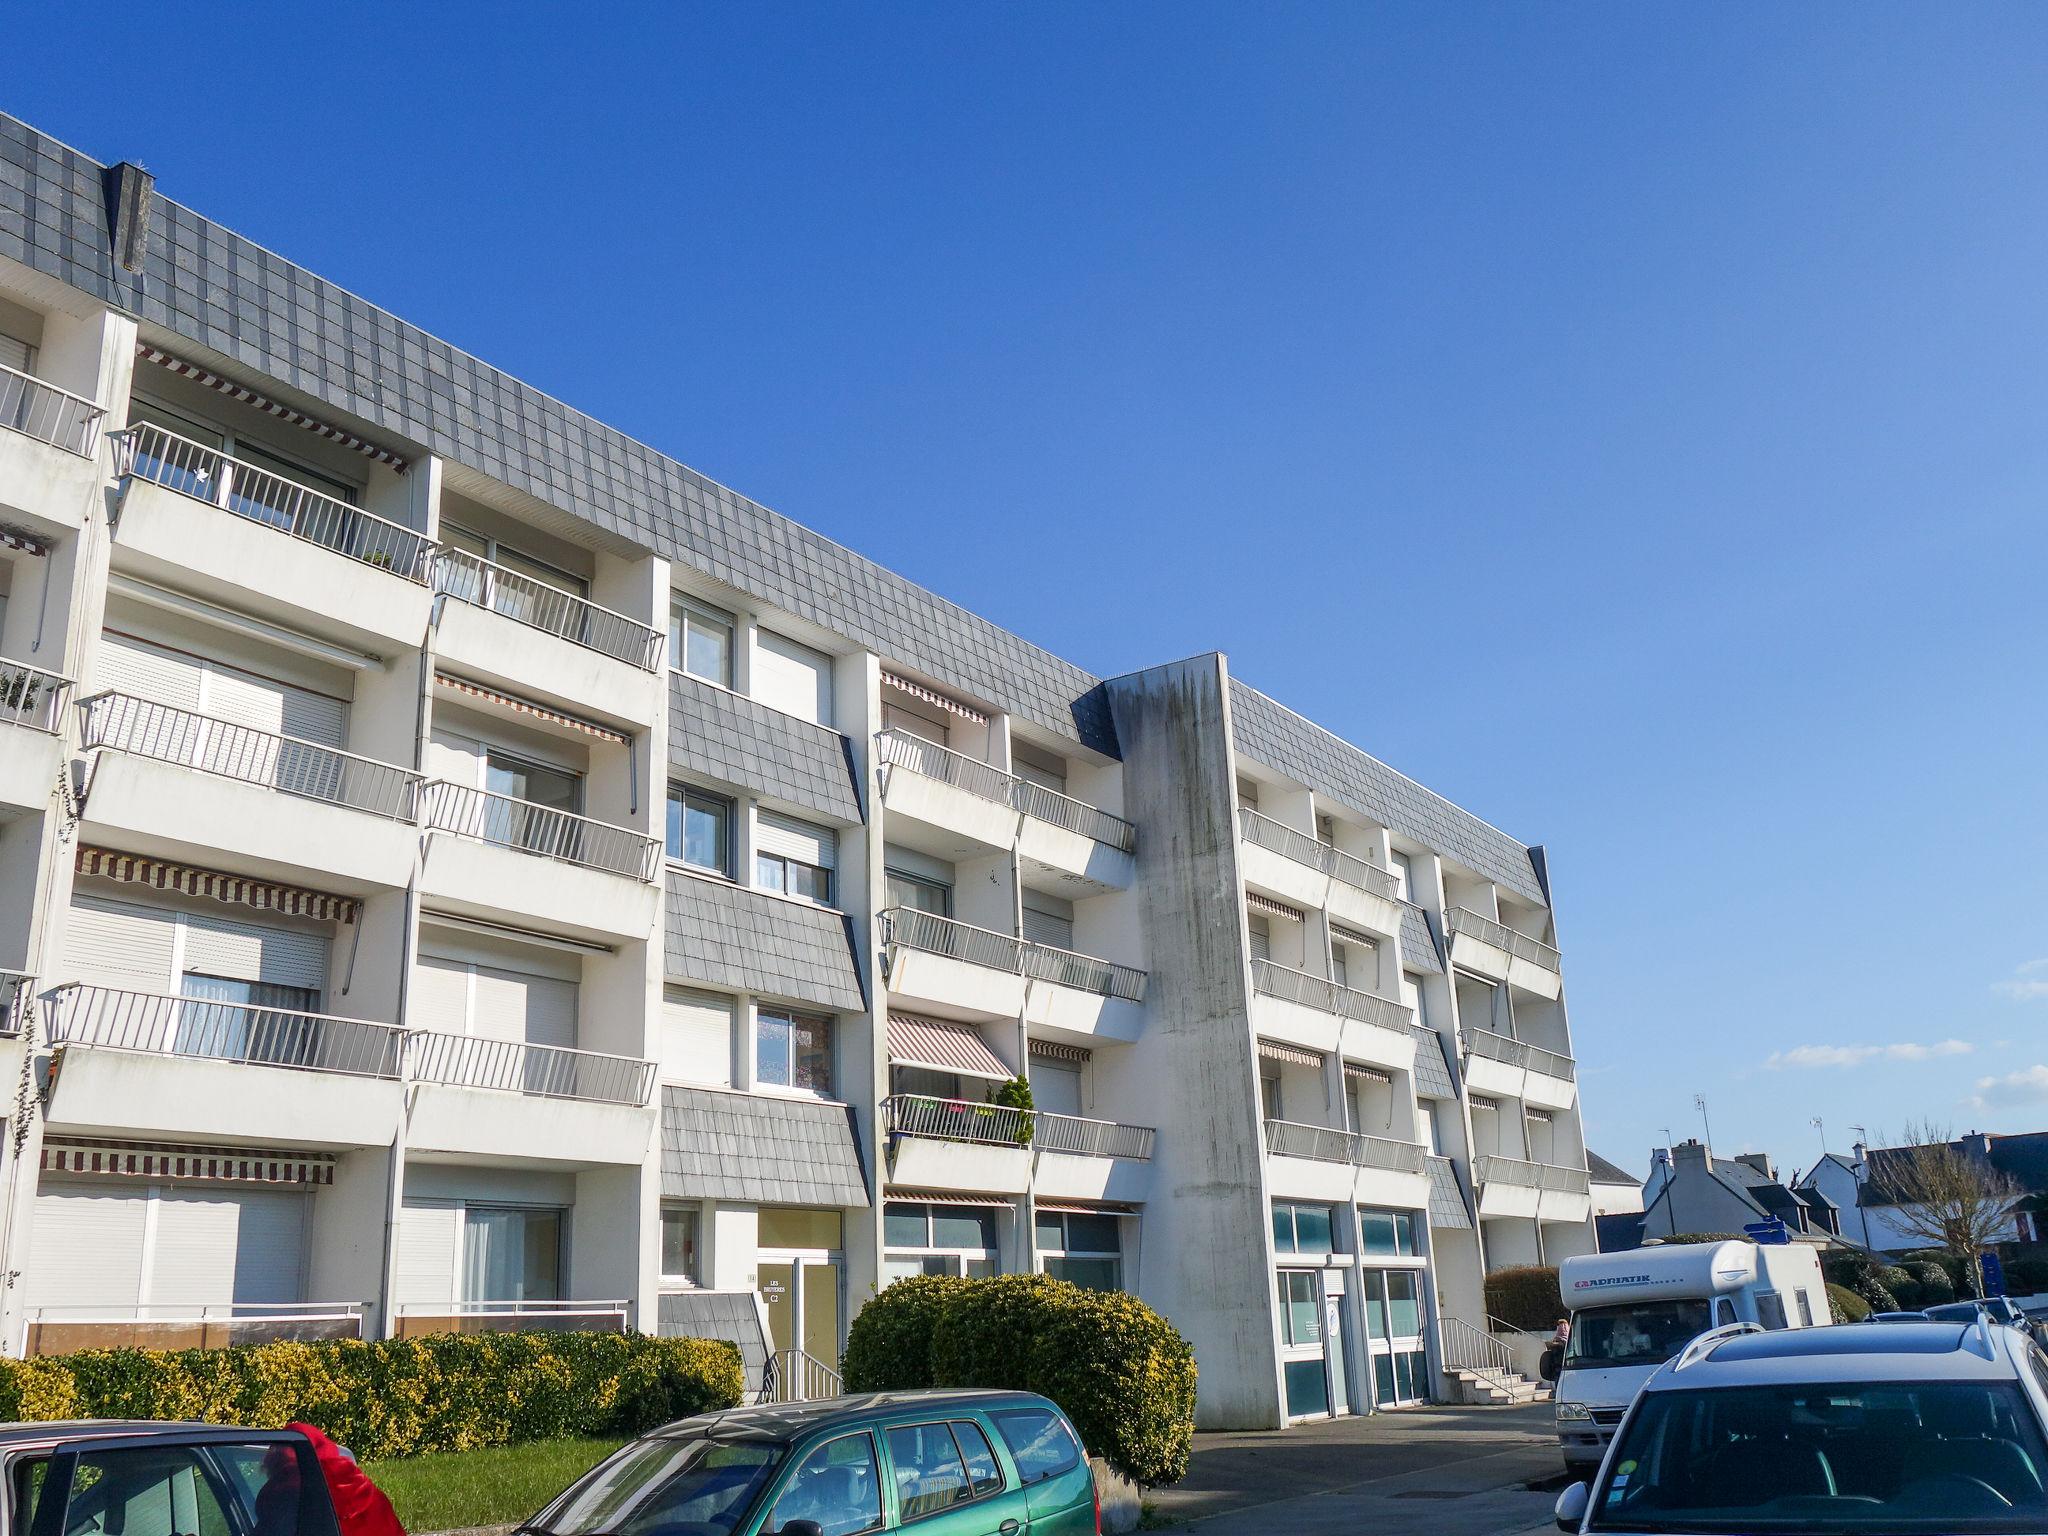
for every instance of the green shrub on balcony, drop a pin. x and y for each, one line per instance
(1016, 1094)
(395, 1397)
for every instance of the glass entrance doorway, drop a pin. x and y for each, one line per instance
(801, 1281)
(1393, 1337)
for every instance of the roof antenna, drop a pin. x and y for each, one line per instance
(1699, 1102)
(1823, 1135)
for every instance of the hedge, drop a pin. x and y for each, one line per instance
(1525, 1296)
(1123, 1373)
(1846, 1305)
(395, 1397)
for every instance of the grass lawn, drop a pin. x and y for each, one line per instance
(452, 1489)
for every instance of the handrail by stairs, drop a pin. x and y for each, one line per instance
(1466, 1348)
(795, 1376)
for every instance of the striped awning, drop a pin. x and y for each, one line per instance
(265, 895)
(1353, 936)
(1058, 1050)
(27, 543)
(249, 396)
(1272, 908)
(933, 697)
(160, 1160)
(528, 707)
(948, 1197)
(943, 1046)
(1294, 1055)
(1083, 1208)
(1367, 1074)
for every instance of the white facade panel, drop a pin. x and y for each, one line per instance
(696, 1036)
(792, 678)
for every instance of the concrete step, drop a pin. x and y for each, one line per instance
(1492, 1389)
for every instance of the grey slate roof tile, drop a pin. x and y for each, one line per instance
(1432, 1067)
(1447, 1206)
(721, 1145)
(727, 936)
(1418, 947)
(729, 1315)
(739, 741)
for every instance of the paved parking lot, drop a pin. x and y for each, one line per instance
(1463, 1470)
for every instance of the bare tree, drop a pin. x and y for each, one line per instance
(1944, 1193)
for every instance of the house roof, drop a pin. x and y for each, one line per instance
(1619, 1232)
(1604, 1172)
(2022, 1158)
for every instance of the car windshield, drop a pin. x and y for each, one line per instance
(1893, 1458)
(682, 1487)
(1645, 1333)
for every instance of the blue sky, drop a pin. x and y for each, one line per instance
(1628, 421)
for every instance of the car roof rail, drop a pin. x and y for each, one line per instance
(1979, 1338)
(1698, 1349)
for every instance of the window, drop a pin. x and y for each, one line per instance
(700, 829)
(1805, 1308)
(219, 1021)
(793, 1050)
(703, 1486)
(794, 857)
(1040, 1443)
(700, 640)
(1247, 794)
(930, 1476)
(679, 1243)
(1056, 1086)
(169, 1488)
(1770, 1310)
(775, 872)
(1724, 1312)
(511, 1253)
(1084, 1247)
(1269, 1094)
(1301, 1228)
(837, 1486)
(918, 893)
(983, 1475)
(1387, 1234)
(938, 1240)
(1432, 1132)
(1404, 875)
(1301, 1310)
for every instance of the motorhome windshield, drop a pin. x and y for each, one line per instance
(1640, 1333)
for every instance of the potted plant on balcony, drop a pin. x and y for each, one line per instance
(1015, 1094)
(18, 693)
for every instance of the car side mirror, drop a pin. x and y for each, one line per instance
(1571, 1507)
(801, 1528)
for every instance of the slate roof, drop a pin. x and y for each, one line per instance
(758, 1148)
(1418, 949)
(725, 935)
(1447, 1206)
(1432, 1066)
(730, 1315)
(1604, 1172)
(2023, 1158)
(1618, 1232)
(733, 740)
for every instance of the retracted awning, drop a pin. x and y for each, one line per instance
(933, 697)
(1293, 1055)
(943, 1046)
(1367, 1074)
(161, 1160)
(1272, 908)
(187, 880)
(27, 543)
(947, 1197)
(262, 402)
(1059, 1050)
(1352, 935)
(1084, 1208)
(527, 707)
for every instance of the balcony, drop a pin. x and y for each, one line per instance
(1501, 1064)
(31, 714)
(49, 451)
(987, 1148)
(267, 545)
(962, 807)
(209, 1325)
(16, 988)
(416, 1319)
(185, 781)
(965, 971)
(1308, 872)
(602, 877)
(1294, 1006)
(1544, 1191)
(1493, 949)
(192, 1066)
(506, 1098)
(545, 1071)
(511, 631)
(1325, 1162)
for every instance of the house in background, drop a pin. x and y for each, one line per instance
(1857, 1186)
(1617, 1205)
(1691, 1190)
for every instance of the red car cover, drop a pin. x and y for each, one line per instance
(360, 1508)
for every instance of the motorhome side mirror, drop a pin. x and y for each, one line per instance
(1549, 1365)
(1571, 1507)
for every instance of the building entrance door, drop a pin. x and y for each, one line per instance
(801, 1293)
(1393, 1337)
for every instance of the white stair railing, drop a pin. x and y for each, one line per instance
(795, 1376)
(1474, 1350)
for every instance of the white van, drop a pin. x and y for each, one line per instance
(1633, 1311)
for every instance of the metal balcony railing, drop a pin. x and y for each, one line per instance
(122, 723)
(1551, 1177)
(32, 697)
(1326, 996)
(1328, 1144)
(416, 1318)
(543, 1071)
(158, 1024)
(41, 410)
(913, 754)
(1518, 1053)
(1293, 843)
(995, 1125)
(926, 931)
(206, 474)
(519, 597)
(1090, 1138)
(16, 988)
(540, 830)
(1478, 926)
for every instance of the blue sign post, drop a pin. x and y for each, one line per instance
(1770, 1233)
(1994, 1273)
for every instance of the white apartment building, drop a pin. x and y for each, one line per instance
(462, 869)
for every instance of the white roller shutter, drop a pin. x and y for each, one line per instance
(145, 671)
(512, 1005)
(228, 1245)
(789, 838)
(1262, 938)
(458, 759)
(264, 704)
(1038, 767)
(86, 1250)
(429, 1250)
(1055, 1087)
(216, 946)
(14, 353)
(792, 678)
(1047, 927)
(440, 996)
(696, 1036)
(927, 726)
(119, 944)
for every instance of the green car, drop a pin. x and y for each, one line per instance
(942, 1463)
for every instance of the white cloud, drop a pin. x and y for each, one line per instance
(2028, 983)
(2028, 1086)
(1856, 1055)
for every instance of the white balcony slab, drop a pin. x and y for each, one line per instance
(1363, 909)
(500, 1123)
(1380, 1047)
(954, 988)
(1281, 876)
(171, 811)
(490, 880)
(1476, 955)
(135, 1093)
(179, 541)
(1073, 858)
(491, 648)
(1531, 977)
(1499, 1199)
(1308, 1178)
(1504, 1080)
(1547, 1092)
(1053, 1010)
(921, 1162)
(29, 762)
(1560, 1205)
(44, 489)
(943, 819)
(1277, 1018)
(1068, 1176)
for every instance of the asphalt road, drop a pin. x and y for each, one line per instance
(1467, 1471)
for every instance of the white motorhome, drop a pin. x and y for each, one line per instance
(1633, 1311)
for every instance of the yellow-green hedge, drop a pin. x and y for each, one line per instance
(397, 1397)
(1123, 1373)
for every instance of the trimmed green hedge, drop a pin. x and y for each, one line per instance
(396, 1397)
(1846, 1305)
(1525, 1296)
(1122, 1372)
